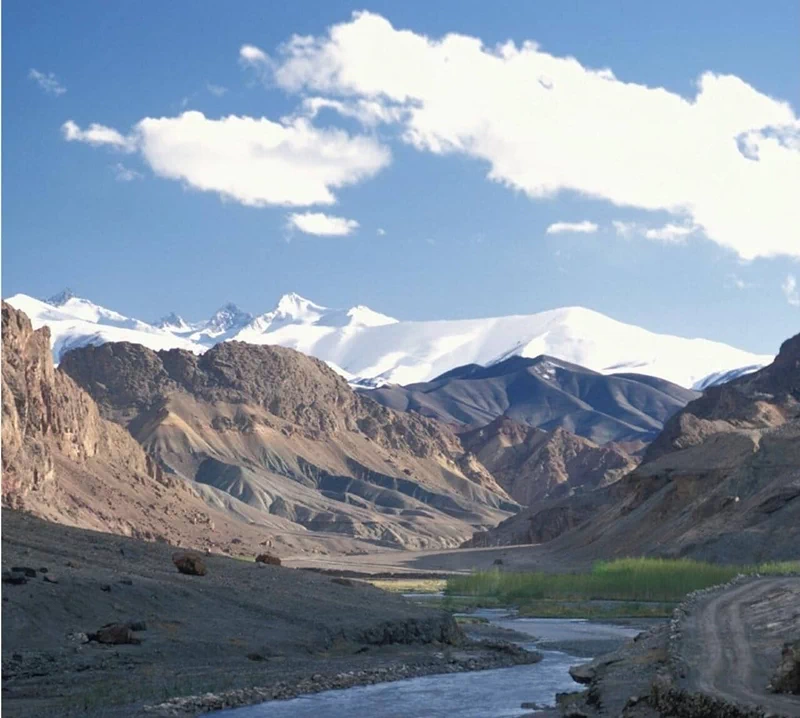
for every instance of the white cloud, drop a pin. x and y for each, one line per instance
(125, 174)
(254, 161)
(48, 82)
(725, 160)
(585, 227)
(381, 232)
(321, 225)
(367, 112)
(253, 54)
(98, 135)
(669, 232)
(789, 288)
(216, 90)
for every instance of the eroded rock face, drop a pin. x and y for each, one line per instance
(284, 434)
(787, 677)
(46, 413)
(765, 399)
(533, 465)
(62, 461)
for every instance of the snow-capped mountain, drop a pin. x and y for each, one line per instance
(224, 324)
(76, 322)
(371, 349)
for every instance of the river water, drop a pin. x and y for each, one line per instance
(495, 693)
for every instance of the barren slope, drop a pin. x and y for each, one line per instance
(284, 435)
(62, 461)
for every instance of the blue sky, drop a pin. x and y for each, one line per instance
(453, 158)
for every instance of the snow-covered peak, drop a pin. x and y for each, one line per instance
(293, 306)
(228, 317)
(77, 322)
(173, 322)
(365, 317)
(369, 347)
(61, 298)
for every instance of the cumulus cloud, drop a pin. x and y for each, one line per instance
(585, 227)
(321, 225)
(789, 288)
(254, 161)
(125, 174)
(47, 81)
(98, 135)
(725, 160)
(381, 231)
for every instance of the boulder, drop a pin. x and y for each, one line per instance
(787, 677)
(25, 570)
(583, 674)
(114, 634)
(189, 563)
(15, 579)
(268, 558)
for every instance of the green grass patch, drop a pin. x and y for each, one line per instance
(599, 610)
(629, 579)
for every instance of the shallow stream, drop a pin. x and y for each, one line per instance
(495, 693)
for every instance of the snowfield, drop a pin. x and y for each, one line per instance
(370, 349)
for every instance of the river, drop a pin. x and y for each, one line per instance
(495, 693)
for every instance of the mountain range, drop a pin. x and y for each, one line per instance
(372, 349)
(546, 393)
(721, 482)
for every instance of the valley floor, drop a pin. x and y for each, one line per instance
(242, 625)
(529, 557)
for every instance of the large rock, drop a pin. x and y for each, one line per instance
(189, 563)
(787, 677)
(114, 634)
(268, 558)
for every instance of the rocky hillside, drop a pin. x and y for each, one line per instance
(267, 431)
(64, 462)
(722, 482)
(548, 394)
(533, 465)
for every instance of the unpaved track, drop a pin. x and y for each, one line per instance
(733, 638)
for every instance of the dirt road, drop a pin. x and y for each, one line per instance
(732, 641)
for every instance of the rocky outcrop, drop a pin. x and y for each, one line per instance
(787, 676)
(46, 414)
(533, 465)
(63, 461)
(262, 430)
(759, 401)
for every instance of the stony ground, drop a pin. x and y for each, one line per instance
(716, 659)
(242, 625)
